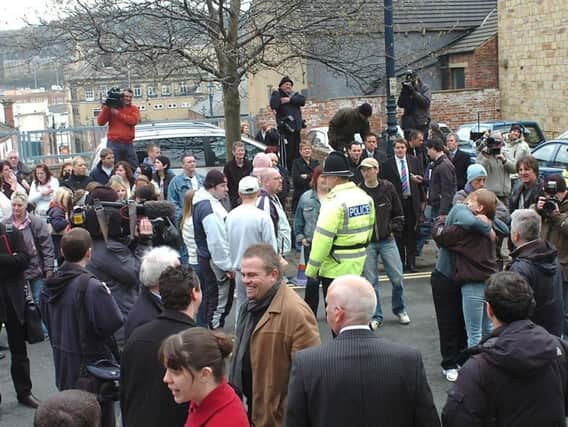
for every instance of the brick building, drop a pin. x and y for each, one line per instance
(533, 62)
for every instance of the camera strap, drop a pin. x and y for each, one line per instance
(100, 213)
(132, 218)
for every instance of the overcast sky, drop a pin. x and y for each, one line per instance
(12, 12)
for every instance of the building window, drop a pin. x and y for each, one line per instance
(103, 92)
(142, 107)
(137, 91)
(165, 90)
(182, 88)
(151, 91)
(172, 106)
(158, 106)
(185, 105)
(89, 94)
(458, 78)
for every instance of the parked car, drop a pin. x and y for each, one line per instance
(552, 157)
(533, 133)
(563, 136)
(204, 140)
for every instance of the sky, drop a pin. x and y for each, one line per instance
(12, 12)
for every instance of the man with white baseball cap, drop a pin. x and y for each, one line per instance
(246, 226)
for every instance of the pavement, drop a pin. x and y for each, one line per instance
(421, 333)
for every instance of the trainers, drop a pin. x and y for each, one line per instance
(375, 324)
(451, 374)
(403, 318)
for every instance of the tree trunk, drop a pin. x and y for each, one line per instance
(232, 106)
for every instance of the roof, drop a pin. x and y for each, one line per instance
(487, 30)
(431, 15)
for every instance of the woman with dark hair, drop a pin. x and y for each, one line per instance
(195, 371)
(65, 171)
(124, 170)
(529, 187)
(163, 175)
(58, 218)
(305, 220)
(8, 180)
(42, 189)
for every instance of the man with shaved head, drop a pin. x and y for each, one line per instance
(358, 378)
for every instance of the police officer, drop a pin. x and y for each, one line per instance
(344, 227)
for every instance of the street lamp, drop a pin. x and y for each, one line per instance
(391, 79)
(210, 87)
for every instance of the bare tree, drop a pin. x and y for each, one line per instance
(219, 40)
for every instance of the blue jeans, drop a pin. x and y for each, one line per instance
(477, 323)
(124, 152)
(392, 263)
(425, 228)
(36, 286)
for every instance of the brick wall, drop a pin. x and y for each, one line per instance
(533, 62)
(481, 69)
(452, 107)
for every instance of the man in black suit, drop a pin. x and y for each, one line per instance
(460, 159)
(358, 379)
(144, 398)
(372, 149)
(399, 169)
(149, 305)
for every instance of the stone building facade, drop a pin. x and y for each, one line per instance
(533, 62)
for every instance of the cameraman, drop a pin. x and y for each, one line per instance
(499, 167)
(553, 208)
(121, 117)
(286, 105)
(116, 260)
(415, 98)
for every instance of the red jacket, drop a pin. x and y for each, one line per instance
(221, 408)
(120, 125)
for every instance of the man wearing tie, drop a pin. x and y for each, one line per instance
(405, 172)
(459, 158)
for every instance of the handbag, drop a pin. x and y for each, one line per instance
(101, 377)
(32, 317)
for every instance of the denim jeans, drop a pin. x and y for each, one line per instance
(425, 228)
(124, 152)
(36, 286)
(477, 323)
(392, 263)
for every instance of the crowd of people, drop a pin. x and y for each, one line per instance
(118, 292)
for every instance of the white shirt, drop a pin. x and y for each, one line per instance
(355, 327)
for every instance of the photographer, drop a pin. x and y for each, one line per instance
(121, 117)
(499, 167)
(415, 98)
(286, 103)
(116, 259)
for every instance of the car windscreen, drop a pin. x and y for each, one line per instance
(464, 131)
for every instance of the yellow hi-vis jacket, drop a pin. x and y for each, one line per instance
(343, 231)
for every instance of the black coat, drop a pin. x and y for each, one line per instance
(516, 378)
(530, 195)
(390, 172)
(461, 162)
(271, 137)
(75, 182)
(290, 109)
(13, 261)
(379, 156)
(234, 174)
(99, 175)
(144, 398)
(416, 104)
(146, 308)
(359, 379)
(538, 263)
(300, 167)
(442, 185)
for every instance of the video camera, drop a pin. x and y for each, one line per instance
(487, 144)
(551, 202)
(97, 217)
(409, 78)
(114, 98)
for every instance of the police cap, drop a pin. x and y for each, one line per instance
(336, 164)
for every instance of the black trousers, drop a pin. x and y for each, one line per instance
(406, 243)
(292, 148)
(449, 315)
(20, 364)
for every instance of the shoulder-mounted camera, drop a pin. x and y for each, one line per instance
(114, 98)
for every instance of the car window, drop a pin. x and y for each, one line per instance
(217, 156)
(533, 137)
(545, 154)
(314, 138)
(175, 147)
(561, 160)
(464, 131)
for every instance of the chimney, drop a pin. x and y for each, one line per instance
(8, 105)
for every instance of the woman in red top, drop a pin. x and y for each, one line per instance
(195, 371)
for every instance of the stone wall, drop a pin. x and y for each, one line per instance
(452, 107)
(533, 62)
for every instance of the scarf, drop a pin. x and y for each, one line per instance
(245, 328)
